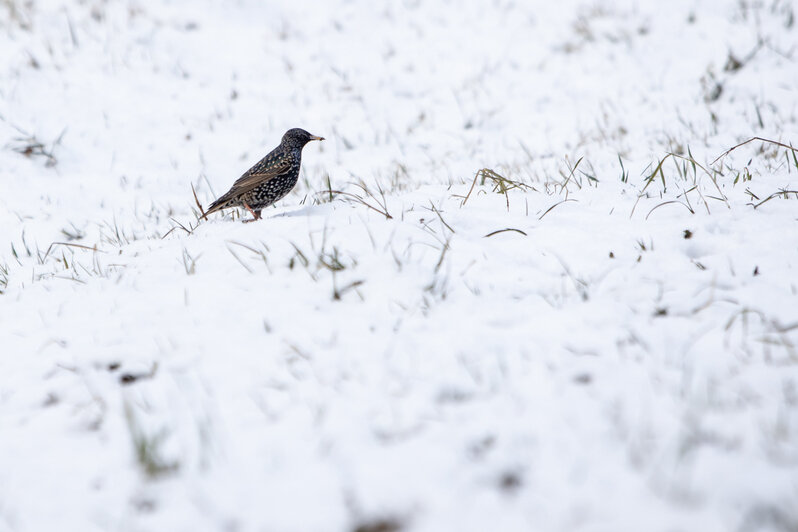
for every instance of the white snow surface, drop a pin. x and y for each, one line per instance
(621, 355)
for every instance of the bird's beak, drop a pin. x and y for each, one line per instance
(314, 137)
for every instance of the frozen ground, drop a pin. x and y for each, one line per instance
(590, 341)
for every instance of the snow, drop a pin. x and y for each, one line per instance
(600, 348)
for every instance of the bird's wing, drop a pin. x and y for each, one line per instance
(266, 170)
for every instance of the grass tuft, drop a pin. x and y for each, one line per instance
(3, 278)
(32, 147)
(148, 448)
(376, 202)
(501, 184)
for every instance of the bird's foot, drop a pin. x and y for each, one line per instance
(255, 214)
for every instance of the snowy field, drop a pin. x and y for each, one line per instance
(521, 286)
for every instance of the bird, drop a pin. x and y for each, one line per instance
(269, 180)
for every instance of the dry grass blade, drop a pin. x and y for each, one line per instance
(339, 293)
(301, 256)
(504, 231)
(199, 205)
(178, 226)
(752, 139)
(250, 248)
(360, 200)
(169, 232)
(444, 249)
(189, 262)
(381, 201)
(436, 211)
(784, 193)
(555, 205)
(667, 203)
(657, 170)
(90, 248)
(241, 262)
(571, 173)
(470, 190)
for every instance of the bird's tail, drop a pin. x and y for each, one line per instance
(217, 205)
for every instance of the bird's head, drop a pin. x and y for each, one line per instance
(297, 138)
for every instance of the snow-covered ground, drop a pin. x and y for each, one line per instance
(598, 332)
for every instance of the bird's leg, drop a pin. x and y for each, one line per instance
(255, 214)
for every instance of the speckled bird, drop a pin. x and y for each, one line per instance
(270, 179)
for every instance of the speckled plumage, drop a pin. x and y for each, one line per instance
(270, 179)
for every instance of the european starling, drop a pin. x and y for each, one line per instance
(270, 179)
